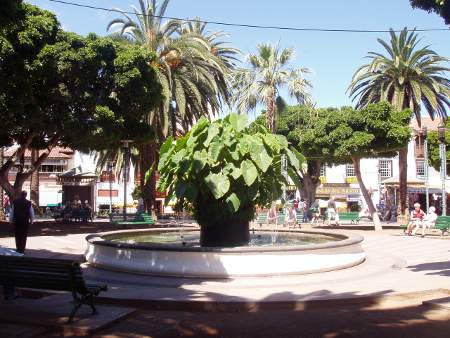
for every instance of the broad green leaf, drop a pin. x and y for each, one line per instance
(236, 173)
(233, 202)
(260, 156)
(179, 156)
(249, 172)
(238, 122)
(215, 148)
(219, 184)
(200, 125)
(166, 146)
(294, 177)
(242, 122)
(149, 173)
(213, 131)
(200, 159)
(293, 159)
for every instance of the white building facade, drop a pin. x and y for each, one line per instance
(381, 177)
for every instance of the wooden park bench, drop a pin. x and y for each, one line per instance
(132, 219)
(50, 274)
(442, 224)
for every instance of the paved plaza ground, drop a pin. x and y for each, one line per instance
(382, 297)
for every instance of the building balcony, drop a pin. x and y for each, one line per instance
(419, 152)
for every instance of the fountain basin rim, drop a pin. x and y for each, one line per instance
(346, 240)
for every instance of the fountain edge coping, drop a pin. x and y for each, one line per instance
(351, 239)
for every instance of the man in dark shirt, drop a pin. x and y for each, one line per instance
(22, 215)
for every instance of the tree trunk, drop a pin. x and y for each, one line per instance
(403, 180)
(310, 181)
(231, 233)
(34, 181)
(271, 112)
(148, 156)
(369, 202)
(308, 188)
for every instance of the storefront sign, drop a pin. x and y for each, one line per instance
(328, 191)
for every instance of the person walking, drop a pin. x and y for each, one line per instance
(22, 215)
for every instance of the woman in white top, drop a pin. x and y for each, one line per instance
(428, 221)
(290, 216)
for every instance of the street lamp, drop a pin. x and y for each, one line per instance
(441, 136)
(126, 158)
(109, 169)
(423, 133)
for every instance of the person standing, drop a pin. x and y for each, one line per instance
(22, 215)
(332, 213)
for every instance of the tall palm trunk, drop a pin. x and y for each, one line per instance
(34, 180)
(148, 156)
(271, 112)
(369, 202)
(403, 178)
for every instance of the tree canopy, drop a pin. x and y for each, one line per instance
(440, 7)
(58, 88)
(433, 148)
(346, 135)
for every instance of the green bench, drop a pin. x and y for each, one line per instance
(261, 218)
(353, 217)
(442, 224)
(50, 274)
(280, 218)
(299, 217)
(132, 219)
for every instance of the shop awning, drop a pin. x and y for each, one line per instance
(417, 185)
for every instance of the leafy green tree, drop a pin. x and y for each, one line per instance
(440, 7)
(433, 148)
(407, 77)
(192, 68)
(224, 168)
(298, 123)
(8, 11)
(268, 73)
(348, 135)
(58, 88)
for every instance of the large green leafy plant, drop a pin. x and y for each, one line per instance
(224, 168)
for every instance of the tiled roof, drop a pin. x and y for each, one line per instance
(55, 153)
(427, 122)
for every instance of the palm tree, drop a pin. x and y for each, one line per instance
(192, 68)
(409, 76)
(269, 72)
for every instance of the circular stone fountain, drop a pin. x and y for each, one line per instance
(176, 252)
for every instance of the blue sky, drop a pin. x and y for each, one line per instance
(332, 57)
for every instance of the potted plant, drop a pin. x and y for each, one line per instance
(224, 169)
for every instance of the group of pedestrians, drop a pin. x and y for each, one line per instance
(291, 210)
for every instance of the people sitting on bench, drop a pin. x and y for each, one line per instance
(415, 219)
(291, 217)
(428, 221)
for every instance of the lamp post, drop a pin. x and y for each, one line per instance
(441, 135)
(423, 133)
(126, 158)
(109, 169)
